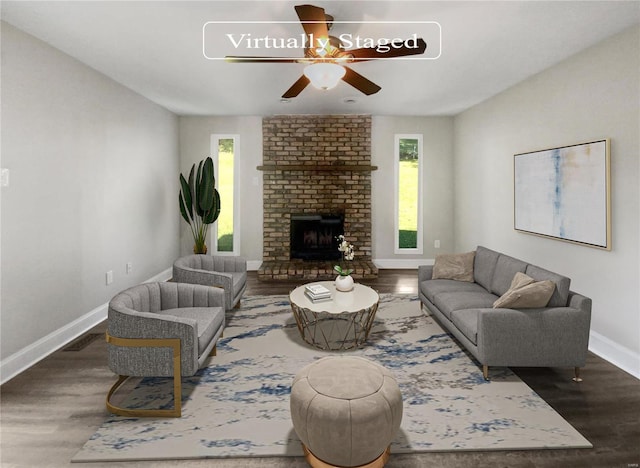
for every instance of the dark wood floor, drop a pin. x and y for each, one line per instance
(50, 410)
(388, 281)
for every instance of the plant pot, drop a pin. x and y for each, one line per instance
(344, 283)
(200, 249)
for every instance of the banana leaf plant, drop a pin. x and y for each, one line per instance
(199, 202)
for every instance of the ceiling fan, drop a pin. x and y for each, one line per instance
(326, 58)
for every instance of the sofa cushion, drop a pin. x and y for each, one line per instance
(560, 295)
(484, 266)
(506, 269)
(208, 319)
(430, 288)
(466, 320)
(457, 267)
(526, 293)
(447, 302)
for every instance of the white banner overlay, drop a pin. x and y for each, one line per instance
(286, 40)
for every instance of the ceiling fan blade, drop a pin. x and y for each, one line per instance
(314, 21)
(359, 82)
(249, 59)
(368, 53)
(297, 87)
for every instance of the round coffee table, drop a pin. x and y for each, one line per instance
(341, 323)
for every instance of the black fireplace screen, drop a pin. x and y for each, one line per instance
(313, 237)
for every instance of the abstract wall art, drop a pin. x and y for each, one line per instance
(564, 193)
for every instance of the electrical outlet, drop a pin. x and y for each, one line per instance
(109, 277)
(436, 244)
(129, 267)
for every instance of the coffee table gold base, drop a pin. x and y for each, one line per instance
(341, 322)
(334, 332)
(315, 462)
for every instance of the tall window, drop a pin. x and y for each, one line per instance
(225, 149)
(408, 194)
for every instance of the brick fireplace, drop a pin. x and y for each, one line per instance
(315, 165)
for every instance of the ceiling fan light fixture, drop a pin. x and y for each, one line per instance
(324, 75)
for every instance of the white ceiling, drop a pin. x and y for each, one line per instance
(156, 49)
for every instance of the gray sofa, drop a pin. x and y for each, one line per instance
(553, 336)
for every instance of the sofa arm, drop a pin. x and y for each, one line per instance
(578, 301)
(425, 272)
(548, 337)
(185, 274)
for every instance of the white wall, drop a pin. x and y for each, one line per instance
(592, 95)
(195, 145)
(437, 167)
(93, 185)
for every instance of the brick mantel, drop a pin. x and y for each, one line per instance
(316, 164)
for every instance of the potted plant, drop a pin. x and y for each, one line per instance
(344, 281)
(199, 202)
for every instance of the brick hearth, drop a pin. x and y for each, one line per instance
(316, 164)
(312, 270)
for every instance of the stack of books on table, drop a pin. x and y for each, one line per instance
(317, 293)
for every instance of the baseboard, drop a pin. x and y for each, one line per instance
(28, 356)
(618, 355)
(35, 352)
(253, 265)
(401, 263)
(162, 276)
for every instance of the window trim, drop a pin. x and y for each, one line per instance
(213, 232)
(396, 170)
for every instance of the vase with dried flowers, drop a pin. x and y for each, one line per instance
(344, 280)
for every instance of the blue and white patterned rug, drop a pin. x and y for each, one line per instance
(238, 406)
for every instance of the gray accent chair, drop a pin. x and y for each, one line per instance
(227, 272)
(162, 330)
(553, 336)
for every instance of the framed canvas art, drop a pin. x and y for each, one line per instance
(564, 193)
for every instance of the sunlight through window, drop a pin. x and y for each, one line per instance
(408, 222)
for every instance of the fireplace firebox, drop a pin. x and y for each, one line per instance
(313, 236)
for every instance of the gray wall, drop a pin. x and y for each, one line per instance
(592, 95)
(93, 182)
(437, 167)
(195, 145)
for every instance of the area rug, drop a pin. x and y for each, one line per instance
(238, 406)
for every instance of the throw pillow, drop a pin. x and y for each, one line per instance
(457, 267)
(526, 293)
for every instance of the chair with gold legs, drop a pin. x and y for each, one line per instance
(228, 272)
(162, 330)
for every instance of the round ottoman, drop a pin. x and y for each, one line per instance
(346, 411)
